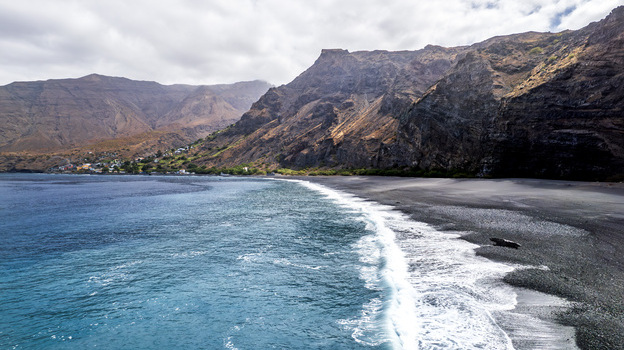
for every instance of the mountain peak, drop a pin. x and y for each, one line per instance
(331, 54)
(94, 77)
(328, 52)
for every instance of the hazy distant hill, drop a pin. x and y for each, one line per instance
(55, 115)
(532, 104)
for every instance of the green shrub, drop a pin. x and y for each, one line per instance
(536, 51)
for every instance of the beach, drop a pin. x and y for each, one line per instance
(570, 236)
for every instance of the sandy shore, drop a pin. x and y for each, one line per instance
(572, 232)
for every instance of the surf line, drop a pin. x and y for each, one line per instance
(437, 292)
(400, 318)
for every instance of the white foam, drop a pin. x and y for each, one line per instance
(190, 254)
(286, 262)
(114, 274)
(364, 329)
(440, 296)
(228, 342)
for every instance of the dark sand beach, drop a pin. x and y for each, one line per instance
(571, 236)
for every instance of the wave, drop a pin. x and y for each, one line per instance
(437, 294)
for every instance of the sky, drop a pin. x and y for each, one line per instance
(224, 41)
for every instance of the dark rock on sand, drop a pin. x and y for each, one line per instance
(505, 243)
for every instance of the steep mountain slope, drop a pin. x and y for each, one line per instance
(579, 111)
(337, 112)
(540, 105)
(60, 114)
(532, 104)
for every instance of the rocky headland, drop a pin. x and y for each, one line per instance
(542, 105)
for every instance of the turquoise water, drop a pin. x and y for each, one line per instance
(178, 262)
(149, 262)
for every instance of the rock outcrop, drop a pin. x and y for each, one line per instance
(531, 104)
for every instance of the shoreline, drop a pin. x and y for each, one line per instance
(571, 232)
(572, 237)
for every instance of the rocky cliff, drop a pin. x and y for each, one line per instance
(338, 113)
(57, 115)
(532, 104)
(539, 105)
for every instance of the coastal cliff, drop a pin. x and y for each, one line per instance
(531, 104)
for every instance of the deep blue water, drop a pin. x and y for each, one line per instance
(134, 262)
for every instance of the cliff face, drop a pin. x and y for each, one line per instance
(60, 114)
(540, 105)
(572, 124)
(532, 104)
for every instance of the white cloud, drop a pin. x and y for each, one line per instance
(205, 42)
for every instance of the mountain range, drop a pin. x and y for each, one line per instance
(523, 105)
(54, 115)
(529, 105)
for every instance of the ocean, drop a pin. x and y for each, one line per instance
(190, 262)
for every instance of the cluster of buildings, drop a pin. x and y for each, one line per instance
(104, 164)
(108, 163)
(182, 149)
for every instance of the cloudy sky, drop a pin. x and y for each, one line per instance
(223, 41)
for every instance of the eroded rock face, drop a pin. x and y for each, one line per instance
(572, 125)
(447, 127)
(537, 105)
(531, 104)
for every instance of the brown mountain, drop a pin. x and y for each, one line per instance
(532, 104)
(56, 115)
(334, 108)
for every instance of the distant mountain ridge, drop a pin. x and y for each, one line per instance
(531, 104)
(53, 115)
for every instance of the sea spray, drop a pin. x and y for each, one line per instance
(386, 269)
(402, 317)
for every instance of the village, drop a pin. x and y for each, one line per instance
(173, 161)
(176, 161)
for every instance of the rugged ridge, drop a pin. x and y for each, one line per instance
(531, 104)
(55, 115)
(337, 113)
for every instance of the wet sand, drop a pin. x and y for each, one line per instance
(571, 236)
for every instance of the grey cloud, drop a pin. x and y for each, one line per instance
(220, 41)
